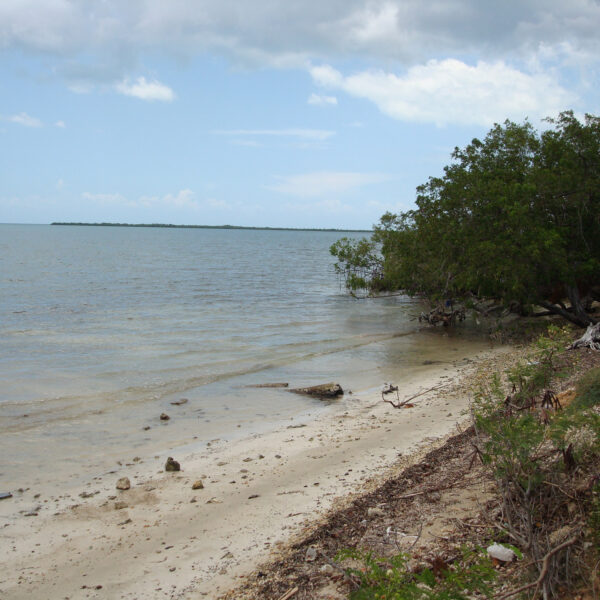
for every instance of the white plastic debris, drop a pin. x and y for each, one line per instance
(500, 552)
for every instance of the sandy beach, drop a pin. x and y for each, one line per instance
(163, 539)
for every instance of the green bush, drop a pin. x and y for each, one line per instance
(588, 390)
(390, 579)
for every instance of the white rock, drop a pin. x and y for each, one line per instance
(500, 552)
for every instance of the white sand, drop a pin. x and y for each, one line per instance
(163, 545)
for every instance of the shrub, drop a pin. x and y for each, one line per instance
(588, 389)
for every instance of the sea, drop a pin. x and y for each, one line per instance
(103, 328)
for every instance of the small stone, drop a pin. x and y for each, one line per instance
(253, 496)
(198, 485)
(375, 512)
(326, 569)
(311, 554)
(146, 427)
(120, 505)
(123, 483)
(214, 501)
(172, 465)
(164, 417)
(248, 459)
(180, 402)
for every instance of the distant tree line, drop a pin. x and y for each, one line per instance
(514, 218)
(169, 225)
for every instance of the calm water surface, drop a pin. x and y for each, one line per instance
(102, 328)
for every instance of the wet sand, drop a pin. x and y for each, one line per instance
(162, 539)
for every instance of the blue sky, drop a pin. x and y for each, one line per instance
(295, 114)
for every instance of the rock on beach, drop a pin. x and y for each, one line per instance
(172, 465)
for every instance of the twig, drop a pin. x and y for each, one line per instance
(417, 538)
(289, 593)
(436, 387)
(405, 402)
(544, 572)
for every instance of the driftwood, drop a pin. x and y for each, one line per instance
(405, 403)
(268, 385)
(590, 339)
(325, 390)
(439, 315)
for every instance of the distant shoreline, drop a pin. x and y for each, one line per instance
(171, 226)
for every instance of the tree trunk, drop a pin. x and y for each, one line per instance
(577, 305)
(570, 316)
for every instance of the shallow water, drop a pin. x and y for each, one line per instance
(102, 328)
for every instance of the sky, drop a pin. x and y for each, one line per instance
(297, 113)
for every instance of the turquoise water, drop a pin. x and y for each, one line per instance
(102, 328)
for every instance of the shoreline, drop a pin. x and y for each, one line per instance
(170, 541)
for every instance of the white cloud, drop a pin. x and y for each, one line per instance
(60, 124)
(450, 91)
(317, 100)
(324, 183)
(146, 90)
(283, 33)
(111, 198)
(305, 134)
(25, 120)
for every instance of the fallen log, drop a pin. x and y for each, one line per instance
(323, 391)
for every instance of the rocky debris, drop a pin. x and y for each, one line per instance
(123, 483)
(180, 402)
(253, 496)
(268, 385)
(198, 485)
(121, 505)
(324, 390)
(5, 495)
(164, 417)
(88, 494)
(214, 501)
(172, 465)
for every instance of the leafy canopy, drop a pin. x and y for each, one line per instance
(515, 217)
